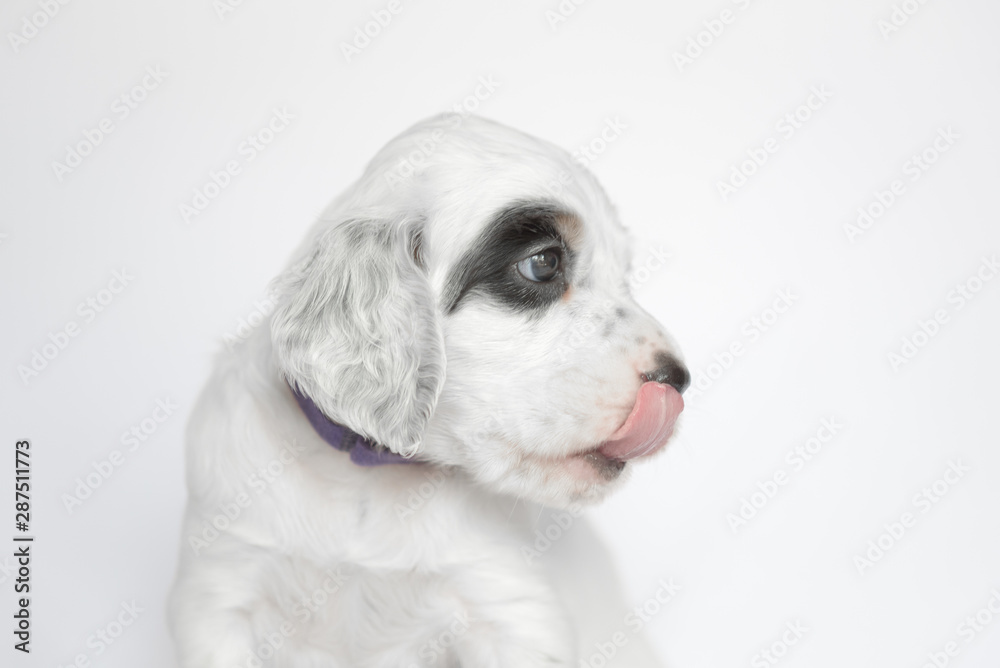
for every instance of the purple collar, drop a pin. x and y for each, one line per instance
(363, 452)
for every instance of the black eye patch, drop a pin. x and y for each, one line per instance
(490, 267)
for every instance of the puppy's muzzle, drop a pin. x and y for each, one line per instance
(658, 405)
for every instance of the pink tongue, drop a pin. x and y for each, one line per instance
(648, 426)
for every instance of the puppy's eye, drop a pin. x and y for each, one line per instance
(540, 267)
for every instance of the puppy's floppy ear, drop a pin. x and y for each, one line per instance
(357, 331)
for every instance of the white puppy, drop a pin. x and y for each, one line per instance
(462, 345)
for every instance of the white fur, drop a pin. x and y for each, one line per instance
(501, 404)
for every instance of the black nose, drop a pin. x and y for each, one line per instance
(669, 371)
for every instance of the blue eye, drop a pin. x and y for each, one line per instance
(540, 267)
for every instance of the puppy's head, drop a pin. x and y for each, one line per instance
(466, 302)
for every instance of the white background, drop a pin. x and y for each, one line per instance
(827, 356)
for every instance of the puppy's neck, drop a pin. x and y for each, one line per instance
(362, 451)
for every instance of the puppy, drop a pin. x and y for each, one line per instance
(453, 347)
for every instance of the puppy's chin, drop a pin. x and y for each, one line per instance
(586, 477)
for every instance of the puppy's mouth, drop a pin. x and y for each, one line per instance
(646, 430)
